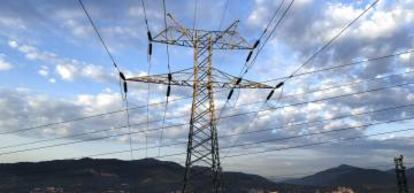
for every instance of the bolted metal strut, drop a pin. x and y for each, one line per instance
(202, 145)
(400, 173)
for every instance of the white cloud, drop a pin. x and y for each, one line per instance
(52, 80)
(72, 20)
(12, 22)
(66, 71)
(33, 53)
(99, 102)
(382, 23)
(43, 71)
(94, 72)
(48, 109)
(137, 11)
(76, 28)
(406, 58)
(4, 65)
(259, 14)
(12, 44)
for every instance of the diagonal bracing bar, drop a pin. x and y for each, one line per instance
(400, 173)
(185, 78)
(202, 145)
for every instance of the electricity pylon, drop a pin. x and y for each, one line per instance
(400, 172)
(202, 146)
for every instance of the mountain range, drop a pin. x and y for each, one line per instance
(112, 175)
(359, 179)
(154, 176)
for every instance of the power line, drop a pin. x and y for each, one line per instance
(336, 67)
(223, 16)
(111, 57)
(293, 124)
(78, 141)
(283, 82)
(260, 49)
(327, 44)
(179, 99)
(185, 98)
(223, 108)
(247, 66)
(275, 149)
(245, 113)
(374, 79)
(322, 99)
(148, 71)
(82, 118)
(243, 72)
(147, 109)
(277, 139)
(257, 43)
(129, 128)
(164, 7)
(169, 76)
(376, 166)
(275, 13)
(195, 14)
(122, 79)
(154, 121)
(247, 128)
(145, 15)
(320, 132)
(291, 175)
(269, 36)
(321, 143)
(295, 175)
(273, 128)
(345, 95)
(99, 35)
(344, 65)
(163, 125)
(91, 116)
(279, 107)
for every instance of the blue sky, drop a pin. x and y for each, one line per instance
(53, 68)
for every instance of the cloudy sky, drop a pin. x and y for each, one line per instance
(53, 68)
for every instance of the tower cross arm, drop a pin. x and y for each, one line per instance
(178, 35)
(178, 78)
(185, 78)
(247, 84)
(230, 81)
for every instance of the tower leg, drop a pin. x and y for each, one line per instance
(400, 173)
(202, 146)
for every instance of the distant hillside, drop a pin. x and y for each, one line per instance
(362, 180)
(154, 176)
(409, 172)
(111, 175)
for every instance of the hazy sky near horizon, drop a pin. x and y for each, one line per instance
(53, 68)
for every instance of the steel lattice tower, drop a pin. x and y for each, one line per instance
(202, 146)
(400, 172)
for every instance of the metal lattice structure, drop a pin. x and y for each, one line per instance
(400, 173)
(202, 146)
